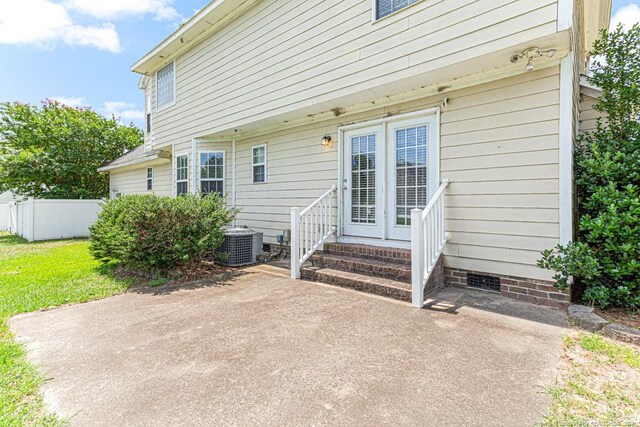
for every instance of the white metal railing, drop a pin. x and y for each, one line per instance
(310, 229)
(428, 237)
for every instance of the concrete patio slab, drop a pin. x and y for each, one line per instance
(259, 348)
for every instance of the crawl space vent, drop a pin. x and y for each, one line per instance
(481, 281)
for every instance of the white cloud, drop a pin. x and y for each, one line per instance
(110, 9)
(124, 111)
(627, 16)
(45, 23)
(71, 101)
(104, 37)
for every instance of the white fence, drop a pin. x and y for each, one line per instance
(4, 217)
(52, 219)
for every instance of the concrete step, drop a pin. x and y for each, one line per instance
(399, 256)
(373, 285)
(368, 267)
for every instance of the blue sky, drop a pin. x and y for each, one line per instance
(80, 51)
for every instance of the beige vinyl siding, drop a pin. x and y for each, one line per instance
(162, 179)
(499, 147)
(286, 54)
(134, 181)
(588, 114)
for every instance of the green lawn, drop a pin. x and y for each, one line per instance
(36, 276)
(599, 383)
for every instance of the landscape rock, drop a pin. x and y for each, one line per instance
(584, 317)
(577, 308)
(622, 333)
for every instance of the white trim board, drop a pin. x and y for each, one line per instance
(565, 154)
(565, 14)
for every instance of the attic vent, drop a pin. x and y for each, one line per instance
(480, 281)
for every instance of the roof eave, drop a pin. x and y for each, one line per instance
(586, 88)
(161, 155)
(188, 33)
(597, 15)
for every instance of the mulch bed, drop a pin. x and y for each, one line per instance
(191, 273)
(619, 315)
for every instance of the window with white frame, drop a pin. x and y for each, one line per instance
(148, 114)
(166, 85)
(259, 163)
(182, 174)
(212, 172)
(387, 7)
(149, 179)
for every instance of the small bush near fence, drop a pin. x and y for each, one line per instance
(149, 232)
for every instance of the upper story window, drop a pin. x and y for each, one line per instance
(182, 174)
(259, 163)
(148, 113)
(166, 86)
(387, 7)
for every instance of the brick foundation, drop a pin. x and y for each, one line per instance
(529, 290)
(436, 280)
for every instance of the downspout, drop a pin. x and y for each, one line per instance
(194, 143)
(173, 170)
(233, 176)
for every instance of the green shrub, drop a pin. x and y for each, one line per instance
(606, 255)
(151, 232)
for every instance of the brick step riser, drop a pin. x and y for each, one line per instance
(382, 254)
(400, 273)
(370, 288)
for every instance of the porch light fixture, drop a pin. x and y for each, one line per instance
(326, 141)
(530, 54)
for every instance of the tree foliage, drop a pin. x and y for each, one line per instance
(53, 151)
(606, 255)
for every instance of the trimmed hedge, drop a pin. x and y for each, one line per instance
(150, 232)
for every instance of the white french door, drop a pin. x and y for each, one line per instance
(363, 182)
(388, 169)
(411, 172)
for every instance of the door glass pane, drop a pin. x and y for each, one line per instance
(363, 179)
(411, 172)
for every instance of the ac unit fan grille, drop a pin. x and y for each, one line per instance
(238, 249)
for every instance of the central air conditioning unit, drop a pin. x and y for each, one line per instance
(241, 246)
